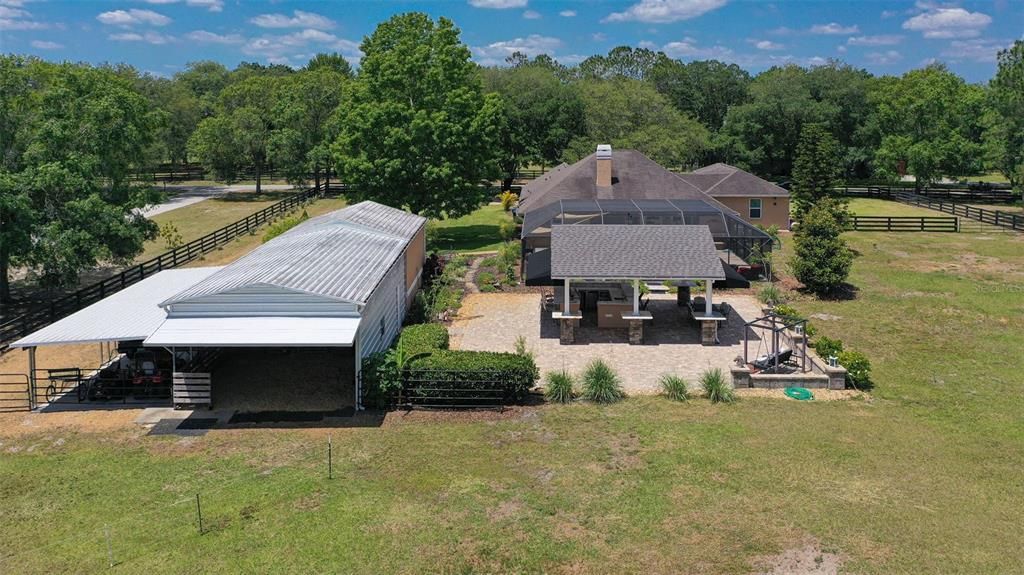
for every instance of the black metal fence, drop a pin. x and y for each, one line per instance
(103, 386)
(39, 317)
(440, 388)
(904, 224)
(998, 218)
(14, 392)
(978, 195)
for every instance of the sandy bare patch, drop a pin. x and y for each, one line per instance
(819, 394)
(806, 559)
(96, 421)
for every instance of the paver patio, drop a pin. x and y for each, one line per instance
(491, 322)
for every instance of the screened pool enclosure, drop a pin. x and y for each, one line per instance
(738, 243)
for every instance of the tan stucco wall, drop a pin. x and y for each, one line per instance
(414, 257)
(773, 210)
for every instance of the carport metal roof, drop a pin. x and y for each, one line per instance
(255, 332)
(130, 314)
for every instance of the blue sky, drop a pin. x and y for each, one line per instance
(884, 36)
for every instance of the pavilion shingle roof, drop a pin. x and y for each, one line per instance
(632, 251)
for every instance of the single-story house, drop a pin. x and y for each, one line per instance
(299, 311)
(602, 227)
(756, 200)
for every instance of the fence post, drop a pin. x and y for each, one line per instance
(199, 514)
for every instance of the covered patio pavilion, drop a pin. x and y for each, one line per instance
(622, 255)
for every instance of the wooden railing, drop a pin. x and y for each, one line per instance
(998, 218)
(904, 224)
(41, 316)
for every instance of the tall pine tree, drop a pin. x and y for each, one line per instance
(816, 170)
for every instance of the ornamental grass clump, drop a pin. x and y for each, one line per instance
(601, 384)
(559, 388)
(674, 387)
(715, 387)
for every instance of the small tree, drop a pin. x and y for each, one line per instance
(821, 259)
(816, 170)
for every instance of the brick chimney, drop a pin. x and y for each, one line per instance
(604, 166)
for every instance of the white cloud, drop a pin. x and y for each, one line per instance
(834, 29)
(598, 37)
(498, 4)
(688, 48)
(880, 40)
(298, 19)
(282, 49)
(981, 50)
(664, 11)
(46, 45)
(12, 17)
(204, 37)
(766, 45)
(211, 5)
(148, 37)
(884, 58)
(939, 22)
(567, 13)
(889, 13)
(841, 49)
(127, 18)
(8, 12)
(531, 15)
(533, 45)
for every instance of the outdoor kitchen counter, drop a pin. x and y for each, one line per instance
(609, 312)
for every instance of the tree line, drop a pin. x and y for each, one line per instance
(420, 125)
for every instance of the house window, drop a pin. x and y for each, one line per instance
(755, 208)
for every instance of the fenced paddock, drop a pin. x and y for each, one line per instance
(904, 224)
(997, 218)
(989, 194)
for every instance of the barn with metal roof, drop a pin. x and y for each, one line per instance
(289, 322)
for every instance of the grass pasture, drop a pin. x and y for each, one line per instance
(921, 476)
(476, 232)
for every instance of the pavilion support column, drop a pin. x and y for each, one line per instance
(567, 332)
(708, 332)
(707, 297)
(636, 297)
(566, 307)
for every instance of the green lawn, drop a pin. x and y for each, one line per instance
(922, 477)
(476, 232)
(872, 207)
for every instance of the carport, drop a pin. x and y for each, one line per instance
(130, 315)
(270, 363)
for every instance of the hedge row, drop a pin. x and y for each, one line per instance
(506, 375)
(423, 337)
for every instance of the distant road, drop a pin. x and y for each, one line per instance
(188, 195)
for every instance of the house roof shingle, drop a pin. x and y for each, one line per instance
(633, 251)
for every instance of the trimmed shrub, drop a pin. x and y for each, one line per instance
(601, 384)
(421, 338)
(381, 379)
(826, 347)
(858, 368)
(674, 387)
(821, 259)
(508, 254)
(489, 262)
(281, 226)
(715, 387)
(787, 311)
(559, 388)
(507, 229)
(770, 295)
(508, 199)
(483, 370)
